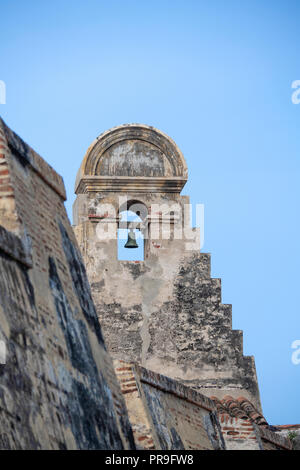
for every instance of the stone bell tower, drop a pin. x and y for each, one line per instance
(164, 312)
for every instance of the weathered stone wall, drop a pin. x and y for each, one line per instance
(291, 431)
(244, 434)
(58, 389)
(271, 441)
(167, 415)
(240, 434)
(165, 312)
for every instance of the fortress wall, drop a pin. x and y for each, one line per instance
(243, 434)
(58, 389)
(165, 414)
(58, 386)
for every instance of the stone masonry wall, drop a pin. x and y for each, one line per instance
(171, 315)
(58, 389)
(245, 434)
(168, 307)
(167, 415)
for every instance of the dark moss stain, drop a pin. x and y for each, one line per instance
(136, 269)
(168, 437)
(91, 410)
(18, 303)
(75, 331)
(81, 284)
(4, 442)
(213, 430)
(129, 342)
(96, 286)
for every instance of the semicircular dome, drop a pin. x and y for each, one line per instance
(133, 151)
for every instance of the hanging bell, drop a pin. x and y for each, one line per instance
(131, 242)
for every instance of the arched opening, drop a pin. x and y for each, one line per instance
(130, 233)
(133, 228)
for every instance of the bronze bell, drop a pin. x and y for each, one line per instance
(131, 242)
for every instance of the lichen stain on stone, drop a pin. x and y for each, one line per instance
(213, 429)
(16, 382)
(81, 284)
(90, 404)
(134, 158)
(168, 437)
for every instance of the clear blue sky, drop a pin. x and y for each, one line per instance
(214, 75)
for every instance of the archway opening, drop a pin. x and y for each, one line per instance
(129, 222)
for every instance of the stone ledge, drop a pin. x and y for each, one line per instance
(29, 157)
(126, 184)
(274, 438)
(168, 385)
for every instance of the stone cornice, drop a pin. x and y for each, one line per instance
(168, 385)
(142, 132)
(129, 184)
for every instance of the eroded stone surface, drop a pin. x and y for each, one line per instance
(167, 415)
(165, 312)
(58, 389)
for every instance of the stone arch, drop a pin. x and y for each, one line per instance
(133, 150)
(136, 206)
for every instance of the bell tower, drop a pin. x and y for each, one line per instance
(165, 311)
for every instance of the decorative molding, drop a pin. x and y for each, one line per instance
(129, 184)
(125, 132)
